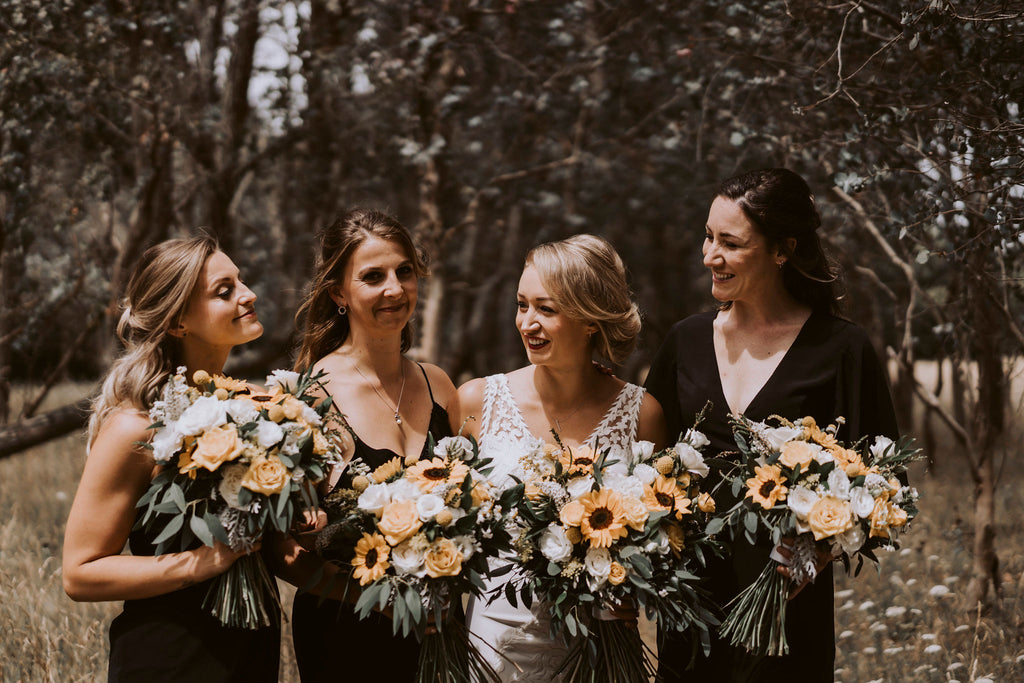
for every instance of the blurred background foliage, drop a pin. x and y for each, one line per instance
(488, 126)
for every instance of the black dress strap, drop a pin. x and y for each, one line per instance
(429, 390)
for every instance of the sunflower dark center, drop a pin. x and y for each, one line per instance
(371, 557)
(601, 518)
(768, 487)
(435, 473)
(664, 499)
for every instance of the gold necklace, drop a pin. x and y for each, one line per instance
(401, 393)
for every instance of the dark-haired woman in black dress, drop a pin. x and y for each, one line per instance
(775, 346)
(356, 330)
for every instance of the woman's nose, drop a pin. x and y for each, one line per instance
(246, 295)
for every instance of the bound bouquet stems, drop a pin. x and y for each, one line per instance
(446, 656)
(614, 653)
(757, 616)
(245, 596)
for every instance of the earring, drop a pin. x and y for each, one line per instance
(342, 310)
(780, 263)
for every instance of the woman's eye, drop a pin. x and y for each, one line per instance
(224, 292)
(405, 271)
(372, 277)
(547, 309)
(521, 305)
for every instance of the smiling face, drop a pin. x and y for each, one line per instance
(221, 311)
(378, 286)
(548, 334)
(743, 265)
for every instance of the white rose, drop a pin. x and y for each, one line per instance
(231, 482)
(645, 473)
(619, 469)
(554, 544)
(579, 485)
(166, 443)
(822, 456)
(800, 501)
(852, 539)
(642, 450)
(286, 379)
(598, 563)
(374, 498)
(879, 446)
(407, 559)
(776, 436)
(427, 506)
(241, 412)
(268, 434)
(456, 446)
(692, 460)
(206, 413)
(696, 439)
(624, 485)
(403, 489)
(839, 484)
(862, 502)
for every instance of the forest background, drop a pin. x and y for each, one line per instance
(488, 126)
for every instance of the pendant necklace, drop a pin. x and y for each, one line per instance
(558, 423)
(398, 418)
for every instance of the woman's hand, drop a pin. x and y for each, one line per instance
(785, 550)
(211, 562)
(625, 611)
(305, 530)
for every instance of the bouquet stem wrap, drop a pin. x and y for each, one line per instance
(245, 596)
(614, 653)
(448, 656)
(757, 616)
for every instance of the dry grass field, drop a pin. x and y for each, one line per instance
(905, 623)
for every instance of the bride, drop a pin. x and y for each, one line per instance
(573, 303)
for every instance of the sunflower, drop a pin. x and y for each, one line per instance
(603, 518)
(371, 560)
(387, 470)
(578, 461)
(664, 494)
(767, 487)
(429, 473)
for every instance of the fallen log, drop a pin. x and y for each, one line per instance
(52, 424)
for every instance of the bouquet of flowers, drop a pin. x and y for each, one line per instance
(606, 530)
(832, 500)
(416, 534)
(236, 460)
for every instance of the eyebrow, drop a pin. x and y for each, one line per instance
(539, 298)
(367, 269)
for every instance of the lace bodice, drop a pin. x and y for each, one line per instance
(504, 434)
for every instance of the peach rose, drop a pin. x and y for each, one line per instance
(572, 513)
(635, 512)
(617, 574)
(399, 521)
(829, 516)
(266, 475)
(217, 446)
(443, 558)
(797, 453)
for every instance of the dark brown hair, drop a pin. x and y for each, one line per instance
(323, 328)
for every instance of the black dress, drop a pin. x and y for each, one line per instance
(171, 637)
(830, 370)
(331, 642)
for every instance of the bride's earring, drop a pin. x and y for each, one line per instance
(342, 310)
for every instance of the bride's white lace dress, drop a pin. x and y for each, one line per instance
(521, 635)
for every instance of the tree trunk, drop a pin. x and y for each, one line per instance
(50, 425)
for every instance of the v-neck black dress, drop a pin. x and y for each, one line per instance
(830, 370)
(331, 642)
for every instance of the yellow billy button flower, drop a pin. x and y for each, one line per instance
(371, 559)
(766, 487)
(603, 518)
(201, 377)
(665, 464)
(616, 574)
(221, 394)
(360, 483)
(573, 535)
(444, 517)
(275, 411)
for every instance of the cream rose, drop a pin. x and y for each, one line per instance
(555, 545)
(642, 450)
(598, 563)
(616, 574)
(777, 436)
(443, 558)
(373, 498)
(267, 476)
(398, 521)
(797, 453)
(801, 501)
(217, 446)
(645, 473)
(408, 558)
(635, 512)
(572, 513)
(830, 516)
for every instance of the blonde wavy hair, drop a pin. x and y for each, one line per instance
(587, 280)
(156, 298)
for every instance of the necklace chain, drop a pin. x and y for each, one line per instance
(401, 392)
(558, 423)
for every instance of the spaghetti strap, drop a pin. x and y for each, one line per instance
(429, 390)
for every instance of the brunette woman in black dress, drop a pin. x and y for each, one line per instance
(774, 346)
(356, 330)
